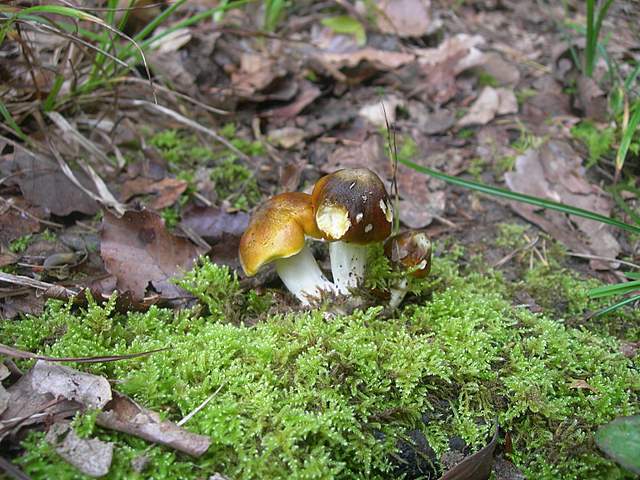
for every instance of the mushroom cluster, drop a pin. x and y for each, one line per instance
(349, 208)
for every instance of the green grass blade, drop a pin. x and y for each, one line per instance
(519, 197)
(631, 78)
(632, 275)
(4, 111)
(616, 306)
(590, 51)
(616, 289)
(50, 101)
(157, 21)
(627, 135)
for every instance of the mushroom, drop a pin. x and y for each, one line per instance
(409, 251)
(352, 210)
(276, 233)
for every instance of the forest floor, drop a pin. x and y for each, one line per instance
(114, 181)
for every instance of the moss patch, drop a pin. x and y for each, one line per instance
(313, 395)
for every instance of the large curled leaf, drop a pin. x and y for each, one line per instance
(620, 440)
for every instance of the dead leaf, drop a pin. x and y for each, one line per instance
(167, 191)
(211, 223)
(505, 73)
(380, 60)
(286, 137)
(92, 457)
(629, 349)
(555, 172)
(474, 467)
(124, 415)
(431, 122)
(255, 73)
(43, 184)
(89, 390)
(307, 94)
(490, 103)
(50, 392)
(18, 218)
(592, 99)
(579, 384)
(374, 112)
(405, 18)
(137, 249)
(4, 399)
(440, 66)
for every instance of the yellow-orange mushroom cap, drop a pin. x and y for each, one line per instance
(277, 229)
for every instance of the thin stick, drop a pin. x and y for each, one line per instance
(199, 407)
(190, 123)
(588, 256)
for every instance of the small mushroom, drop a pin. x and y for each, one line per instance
(409, 251)
(276, 233)
(352, 210)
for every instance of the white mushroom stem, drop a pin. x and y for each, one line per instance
(348, 263)
(398, 293)
(302, 276)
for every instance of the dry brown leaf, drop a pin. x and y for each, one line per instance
(555, 172)
(89, 390)
(43, 184)
(4, 399)
(592, 99)
(92, 457)
(405, 18)
(490, 103)
(474, 467)
(441, 65)
(382, 60)
(211, 223)
(577, 383)
(137, 249)
(381, 111)
(124, 415)
(286, 137)
(255, 73)
(506, 73)
(18, 218)
(307, 94)
(51, 392)
(166, 191)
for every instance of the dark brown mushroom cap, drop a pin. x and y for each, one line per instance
(352, 205)
(277, 229)
(410, 250)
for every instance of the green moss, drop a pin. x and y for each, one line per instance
(234, 182)
(597, 140)
(311, 395)
(485, 79)
(19, 245)
(511, 235)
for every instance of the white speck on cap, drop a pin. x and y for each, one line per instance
(359, 217)
(368, 228)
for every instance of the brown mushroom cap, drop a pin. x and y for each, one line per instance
(352, 205)
(277, 229)
(411, 250)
